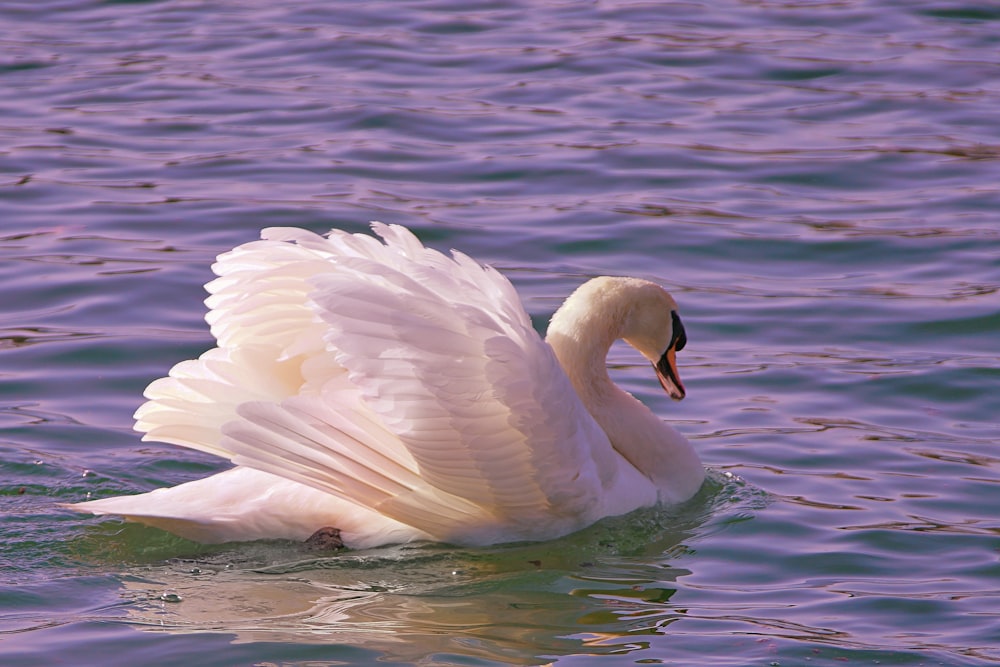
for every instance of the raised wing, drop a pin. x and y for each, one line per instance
(407, 381)
(443, 351)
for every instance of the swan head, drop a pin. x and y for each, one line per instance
(638, 311)
(653, 326)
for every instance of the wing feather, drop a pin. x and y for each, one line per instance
(291, 439)
(461, 356)
(390, 375)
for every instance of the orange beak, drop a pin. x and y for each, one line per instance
(666, 371)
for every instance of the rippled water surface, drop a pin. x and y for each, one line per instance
(817, 182)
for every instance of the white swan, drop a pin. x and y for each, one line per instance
(398, 394)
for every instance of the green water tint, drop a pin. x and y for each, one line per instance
(603, 581)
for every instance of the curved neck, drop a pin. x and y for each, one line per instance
(582, 331)
(582, 350)
(581, 334)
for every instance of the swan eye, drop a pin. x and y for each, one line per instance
(679, 338)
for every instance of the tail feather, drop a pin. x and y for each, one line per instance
(243, 504)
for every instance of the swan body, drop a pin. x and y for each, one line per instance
(398, 394)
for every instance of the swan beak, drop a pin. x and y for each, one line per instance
(666, 371)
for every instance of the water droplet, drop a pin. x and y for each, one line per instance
(170, 597)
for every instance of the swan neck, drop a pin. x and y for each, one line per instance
(581, 334)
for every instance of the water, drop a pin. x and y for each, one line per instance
(816, 182)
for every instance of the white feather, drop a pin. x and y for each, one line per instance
(398, 393)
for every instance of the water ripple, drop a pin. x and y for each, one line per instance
(816, 182)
